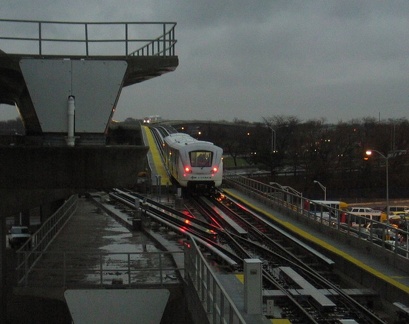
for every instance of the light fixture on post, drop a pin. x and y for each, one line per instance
(323, 188)
(369, 153)
(273, 139)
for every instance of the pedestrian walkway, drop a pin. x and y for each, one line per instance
(95, 249)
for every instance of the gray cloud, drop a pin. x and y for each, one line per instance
(338, 60)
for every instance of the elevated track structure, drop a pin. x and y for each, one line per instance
(65, 79)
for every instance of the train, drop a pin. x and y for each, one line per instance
(196, 166)
(152, 119)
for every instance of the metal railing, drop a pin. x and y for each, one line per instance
(279, 196)
(87, 38)
(97, 269)
(29, 253)
(38, 267)
(215, 300)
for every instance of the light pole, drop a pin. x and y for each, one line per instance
(273, 139)
(323, 188)
(369, 153)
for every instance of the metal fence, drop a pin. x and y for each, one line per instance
(215, 300)
(88, 38)
(37, 267)
(29, 253)
(98, 269)
(387, 236)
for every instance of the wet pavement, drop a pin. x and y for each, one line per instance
(90, 238)
(96, 249)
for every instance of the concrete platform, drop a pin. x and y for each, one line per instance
(91, 229)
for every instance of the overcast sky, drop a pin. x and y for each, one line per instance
(337, 60)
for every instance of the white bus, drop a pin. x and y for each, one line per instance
(327, 208)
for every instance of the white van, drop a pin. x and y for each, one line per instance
(367, 212)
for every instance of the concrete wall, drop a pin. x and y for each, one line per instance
(33, 176)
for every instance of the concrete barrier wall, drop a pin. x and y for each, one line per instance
(33, 176)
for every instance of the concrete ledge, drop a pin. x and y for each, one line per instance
(70, 167)
(32, 176)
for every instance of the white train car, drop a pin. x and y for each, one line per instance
(193, 164)
(152, 119)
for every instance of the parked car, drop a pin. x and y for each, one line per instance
(18, 235)
(367, 212)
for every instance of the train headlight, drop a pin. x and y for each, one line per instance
(215, 169)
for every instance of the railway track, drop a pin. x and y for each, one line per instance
(183, 223)
(299, 280)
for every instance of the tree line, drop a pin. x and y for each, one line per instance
(296, 153)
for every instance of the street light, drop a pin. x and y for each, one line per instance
(273, 139)
(369, 153)
(323, 188)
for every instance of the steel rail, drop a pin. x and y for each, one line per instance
(233, 242)
(236, 244)
(179, 226)
(268, 253)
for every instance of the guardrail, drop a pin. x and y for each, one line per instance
(87, 269)
(87, 38)
(36, 266)
(279, 196)
(219, 307)
(29, 253)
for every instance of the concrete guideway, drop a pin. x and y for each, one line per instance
(369, 270)
(154, 159)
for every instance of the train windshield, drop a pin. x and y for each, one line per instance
(201, 158)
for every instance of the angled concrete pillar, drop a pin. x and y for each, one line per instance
(95, 85)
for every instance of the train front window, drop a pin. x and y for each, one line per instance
(201, 158)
